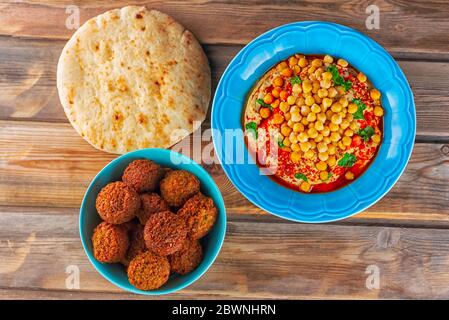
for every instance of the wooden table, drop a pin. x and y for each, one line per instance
(45, 166)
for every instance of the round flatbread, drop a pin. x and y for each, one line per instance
(132, 78)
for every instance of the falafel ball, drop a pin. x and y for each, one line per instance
(151, 203)
(110, 242)
(200, 214)
(136, 243)
(177, 186)
(186, 259)
(143, 175)
(148, 271)
(164, 233)
(117, 203)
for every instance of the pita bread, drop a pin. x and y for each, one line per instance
(132, 78)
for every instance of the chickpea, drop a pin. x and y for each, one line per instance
(340, 90)
(349, 175)
(319, 125)
(287, 142)
(321, 166)
(349, 117)
(336, 119)
(309, 154)
(378, 111)
(326, 140)
(295, 147)
(278, 82)
(341, 131)
(311, 117)
(327, 76)
(298, 127)
(312, 144)
(344, 124)
(288, 116)
(297, 69)
(376, 138)
(349, 133)
(293, 138)
(284, 106)
(322, 93)
(296, 88)
(328, 59)
(315, 108)
(287, 72)
(343, 101)
(303, 137)
(278, 118)
(312, 133)
(352, 108)
(283, 95)
(326, 131)
(323, 156)
(318, 100)
(268, 99)
(306, 86)
(335, 137)
(317, 63)
(319, 138)
(353, 125)
(295, 117)
(346, 141)
(333, 127)
(332, 92)
(276, 91)
(295, 156)
(331, 149)
(300, 101)
(342, 63)
(275, 103)
(282, 65)
(336, 107)
(304, 121)
(305, 146)
(375, 94)
(321, 117)
(302, 62)
(327, 102)
(286, 130)
(341, 145)
(291, 100)
(264, 112)
(324, 175)
(305, 186)
(332, 161)
(322, 147)
(310, 101)
(292, 61)
(311, 70)
(361, 77)
(326, 84)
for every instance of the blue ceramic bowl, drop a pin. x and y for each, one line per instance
(363, 53)
(89, 218)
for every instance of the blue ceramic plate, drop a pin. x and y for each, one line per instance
(89, 218)
(364, 54)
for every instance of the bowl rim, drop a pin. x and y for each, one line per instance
(217, 100)
(140, 154)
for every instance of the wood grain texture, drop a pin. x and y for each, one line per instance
(258, 260)
(49, 165)
(28, 84)
(404, 25)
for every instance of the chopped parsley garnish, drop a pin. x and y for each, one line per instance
(295, 80)
(338, 79)
(347, 161)
(252, 127)
(366, 133)
(301, 176)
(263, 104)
(358, 115)
(281, 143)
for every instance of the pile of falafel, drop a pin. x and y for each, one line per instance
(141, 229)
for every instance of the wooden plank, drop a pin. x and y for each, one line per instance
(258, 260)
(401, 29)
(28, 84)
(41, 161)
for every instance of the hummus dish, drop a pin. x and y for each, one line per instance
(313, 122)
